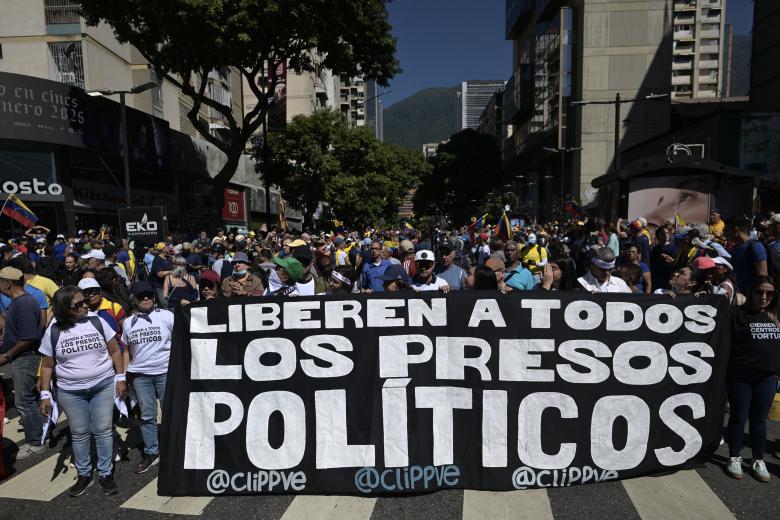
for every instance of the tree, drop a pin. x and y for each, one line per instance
(319, 158)
(184, 40)
(465, 168)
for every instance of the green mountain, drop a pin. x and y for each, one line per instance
(427, 116)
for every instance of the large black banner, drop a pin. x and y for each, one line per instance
(388, 395)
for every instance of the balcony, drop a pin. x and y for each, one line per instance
(683, 35)
(710, 18)
(685, 5)
(680, 19)
(710, 34)
(682, 65)
(683, 50)
(681, 80)
(708, 78)
(709, 49)
(708, 64)
(707, 93)
(62, 12)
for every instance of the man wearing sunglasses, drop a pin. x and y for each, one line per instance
(110, 311)
(598, 278)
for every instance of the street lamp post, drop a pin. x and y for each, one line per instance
(123, 126)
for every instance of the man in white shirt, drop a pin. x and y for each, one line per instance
(599, 277)
(424, 279)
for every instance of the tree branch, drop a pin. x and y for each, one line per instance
(192, 115)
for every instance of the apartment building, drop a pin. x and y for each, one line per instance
(473, 97)
(697, 66)
(584, 51)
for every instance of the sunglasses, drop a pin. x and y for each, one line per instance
(145, 296)
(763, 292)
(77, 305)
(425, 265)
(91, 292)
(207, 285)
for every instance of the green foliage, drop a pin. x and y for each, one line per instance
(186, 39)
(320, 159)
(427, 116)
(465, 169)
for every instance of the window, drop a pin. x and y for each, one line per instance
(157, 94)
(66, 63)
(61, 11)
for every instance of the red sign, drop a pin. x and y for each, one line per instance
(234, 208)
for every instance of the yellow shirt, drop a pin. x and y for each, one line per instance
(536, 254)
(47, 286)
(717, 228)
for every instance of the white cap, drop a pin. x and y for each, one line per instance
(424, 254)
(61, 236)
(88, 283)
(97, 254)
(532, 239)
(719, 260)
(720, 249)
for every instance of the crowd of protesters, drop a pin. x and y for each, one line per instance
(92, 312)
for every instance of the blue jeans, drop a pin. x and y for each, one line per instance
(751, 393)
(90, 413)
(25, 376)
(148, 389)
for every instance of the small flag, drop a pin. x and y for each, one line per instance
(17, 210)
(477, 223)
(678, 221)
(408, 226)
(282, 218)
(503, 227)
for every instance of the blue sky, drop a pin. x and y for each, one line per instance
(444, 42)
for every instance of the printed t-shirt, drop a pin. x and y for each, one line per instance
(148, 336)
(81, 354)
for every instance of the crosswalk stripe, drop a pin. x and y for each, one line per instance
(306, 507)
(510, 505)
(13, 430)
(43, 481)
(148, 500)
(683, 494)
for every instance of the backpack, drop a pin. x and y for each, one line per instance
(56, 330)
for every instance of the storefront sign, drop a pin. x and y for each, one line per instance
(234, 209)
(94, 195)
(380, 394)
(145, 225)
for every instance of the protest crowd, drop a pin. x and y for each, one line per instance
(88, 318)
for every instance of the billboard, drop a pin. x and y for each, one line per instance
(145, 225)
(234, 209)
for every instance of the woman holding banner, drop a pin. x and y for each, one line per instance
(752, 378)
(90, 374)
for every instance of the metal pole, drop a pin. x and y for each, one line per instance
(563, 164)
(616, 161)
(265, 176)
(125, 148)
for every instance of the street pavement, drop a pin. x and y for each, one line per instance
(38, 488)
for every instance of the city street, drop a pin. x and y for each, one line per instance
(39, 489)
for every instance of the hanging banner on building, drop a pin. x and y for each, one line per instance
(277, 97)
(371, 395)
(234, 209)
(145, 225)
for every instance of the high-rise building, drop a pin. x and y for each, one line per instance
(374, 109)
(697, 67)
(351, 94)
(764, 72)
(474, 96)
(586, 51)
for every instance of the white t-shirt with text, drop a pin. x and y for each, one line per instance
(81, 354)
(148, 336)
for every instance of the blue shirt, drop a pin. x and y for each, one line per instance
(59, 251)
(744, 258)
(454, 276)
(643, 244)
(40, 297)
(372, 274)
(22, 321)
(519, 279)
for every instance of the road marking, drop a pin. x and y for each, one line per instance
(306, 507)
(13, 430)
(508, 505)
(681, 495)
(42, 482)
(148, 500)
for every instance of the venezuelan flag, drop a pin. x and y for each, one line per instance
(477, 223)
(18, 210)
(678, 220)
(408, 226)
(503, 228)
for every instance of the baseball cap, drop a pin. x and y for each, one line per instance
(395, 272)
(88, 283)
(297, 242)
(291, 265)
(61, 236)
(446, 248)
(719, 260)
(160, 246)
(240, 257)
(703, 262)
(210, 275)
(11, 273)
(97, 254)
(338, 241)
(252, 234)
(302, 254)
(424, 255)
(407, 246)
(141, 287)
(81, 232)
(240, 238)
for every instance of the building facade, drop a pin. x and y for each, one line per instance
(764, 72)
(374, 109)
(699, 36)
(584, 51)
(61, 136)
(474, 96)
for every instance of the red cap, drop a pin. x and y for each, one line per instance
(703, 262)
(210, 275)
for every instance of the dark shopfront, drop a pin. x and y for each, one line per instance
(66, 146)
